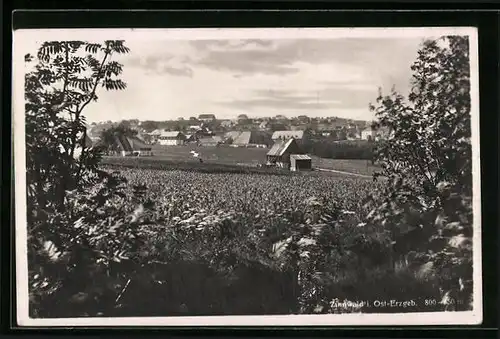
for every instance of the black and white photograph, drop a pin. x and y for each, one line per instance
(247, 177)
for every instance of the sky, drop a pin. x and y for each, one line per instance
(257, 75)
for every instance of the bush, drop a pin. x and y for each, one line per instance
(426, 206)
(362, 150)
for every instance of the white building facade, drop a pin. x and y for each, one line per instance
(175, 138)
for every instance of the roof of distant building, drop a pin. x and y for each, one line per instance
(206, 116)
(300, 157)
(252, 137)
(156, 132)
(232, 134)
(128, 144)
(171, 134)
(299, 134)
(210, 140)
(280, 147)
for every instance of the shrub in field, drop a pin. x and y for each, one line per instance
(340, 149)
(426, 206)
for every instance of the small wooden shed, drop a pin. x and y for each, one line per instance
(279, 154)
(300, 162)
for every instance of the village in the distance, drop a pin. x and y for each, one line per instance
(290, 141)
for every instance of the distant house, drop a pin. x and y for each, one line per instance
(154, 135)
(300, 162)
(231, 136)
(368, 134)
(371, 133)
(279, 154)
(171, 138)
(128, 146)
(206, 117)
(203, 132)
(138, 147)
(286, 135)
(210, 141)
(252, 139)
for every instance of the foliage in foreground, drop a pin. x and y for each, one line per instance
(241, 246)
(429, 160)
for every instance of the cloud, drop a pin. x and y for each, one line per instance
(243, 57)
(209, 45)
(161, 63)
(279, 57)
(316, 77)
(285, 57)
(247, 62)
(272, 103)
(183, 71)
(281, 99)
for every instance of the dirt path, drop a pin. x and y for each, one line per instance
(343, 172)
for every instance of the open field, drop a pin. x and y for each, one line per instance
(247, 156)
(347, 165)
(241, 244)
(222, 154)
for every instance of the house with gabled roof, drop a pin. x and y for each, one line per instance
(126, 146)
(206, 117)
(298, 135)
(154, 135)
(210, 141)
(372, 133)
(252, 139)
(171, 138)
(280, 152)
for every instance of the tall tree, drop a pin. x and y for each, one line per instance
(426, 205)
(63, 81)
(67, 238)
(431, 140)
